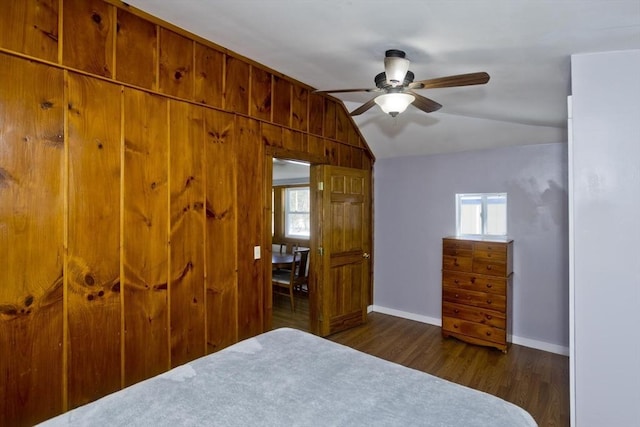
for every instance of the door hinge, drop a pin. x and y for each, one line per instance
(320, 251)
(320, 186)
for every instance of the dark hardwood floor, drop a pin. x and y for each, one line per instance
(535, 380)
(284, 317)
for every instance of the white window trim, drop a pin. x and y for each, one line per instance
(286, 212)
(483, 213)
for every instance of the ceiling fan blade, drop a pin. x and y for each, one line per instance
(347, 90)
(425, 104)
(452, 81)
(364, 107)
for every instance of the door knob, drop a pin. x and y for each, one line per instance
(366, 255)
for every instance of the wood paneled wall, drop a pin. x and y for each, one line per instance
(131, 196)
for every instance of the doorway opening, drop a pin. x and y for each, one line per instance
(291, 230)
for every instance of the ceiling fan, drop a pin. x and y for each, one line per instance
(396, 86)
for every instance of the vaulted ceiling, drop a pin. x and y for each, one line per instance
(525, 46)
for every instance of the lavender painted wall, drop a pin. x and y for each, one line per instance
(415, 208)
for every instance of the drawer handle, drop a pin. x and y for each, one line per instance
(488, 267)
(457, 296)
(489, 301)
(489, 317)
(473, 280)
(456, 311)
(489, 285)
(457, 282)
(488, 333)
(455, 326)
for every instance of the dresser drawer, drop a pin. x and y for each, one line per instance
(474, 314)
(489, 267)
(457, 263)
(478, 299)
(452, 244)
(457, 252)
(475, 282)
(473, 329)
(491, 247)
(490, 255)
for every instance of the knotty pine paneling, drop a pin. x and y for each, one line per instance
(343, 123)
(345, 155)
(187, 238)
(88, 36)
(145, 235)
(30, 27)
(316, 114)
(299, 114)
(294, 141)
(221, 250)
(209, 75)
(332, 152)
(367, 163)
(31, 238)
(281, 101)
(329, 118)
(356, 158)
(250, 224)
(176, 65)
(271, 135)
(236, 86)
(136, 50)
(353, 138)
(315, 146)
(260, 106)
(93, 261)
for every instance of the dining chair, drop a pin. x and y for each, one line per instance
(286, 281)
(283, 248)
(301, 281)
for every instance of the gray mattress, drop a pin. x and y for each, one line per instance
(291, 378)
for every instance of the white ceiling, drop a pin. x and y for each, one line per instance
(285, 171)
(525, 45)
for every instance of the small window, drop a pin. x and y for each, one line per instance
(481, 214)
(297, 208)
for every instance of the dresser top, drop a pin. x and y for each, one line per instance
(497, 239)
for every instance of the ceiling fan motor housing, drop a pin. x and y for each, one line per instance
(394, 53)
(381, 80)
(396, 66)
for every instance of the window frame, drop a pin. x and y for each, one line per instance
(483, 213)
(287, 211)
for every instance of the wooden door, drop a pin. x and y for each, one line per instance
(340, 261)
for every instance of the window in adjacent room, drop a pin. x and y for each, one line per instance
(297, 212)
(481, 214)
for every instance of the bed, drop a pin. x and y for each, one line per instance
(288, 377)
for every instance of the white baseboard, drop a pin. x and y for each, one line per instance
(541, 345)
(407, 315)
(527, 342)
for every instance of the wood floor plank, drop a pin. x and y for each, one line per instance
(535, 380)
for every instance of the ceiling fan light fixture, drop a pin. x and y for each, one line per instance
(394, 103)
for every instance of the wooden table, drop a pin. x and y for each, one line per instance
(284, 260)
(279, 260)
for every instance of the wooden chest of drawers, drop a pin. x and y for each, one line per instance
(476, 290)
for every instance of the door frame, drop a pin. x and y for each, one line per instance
(280, 153)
